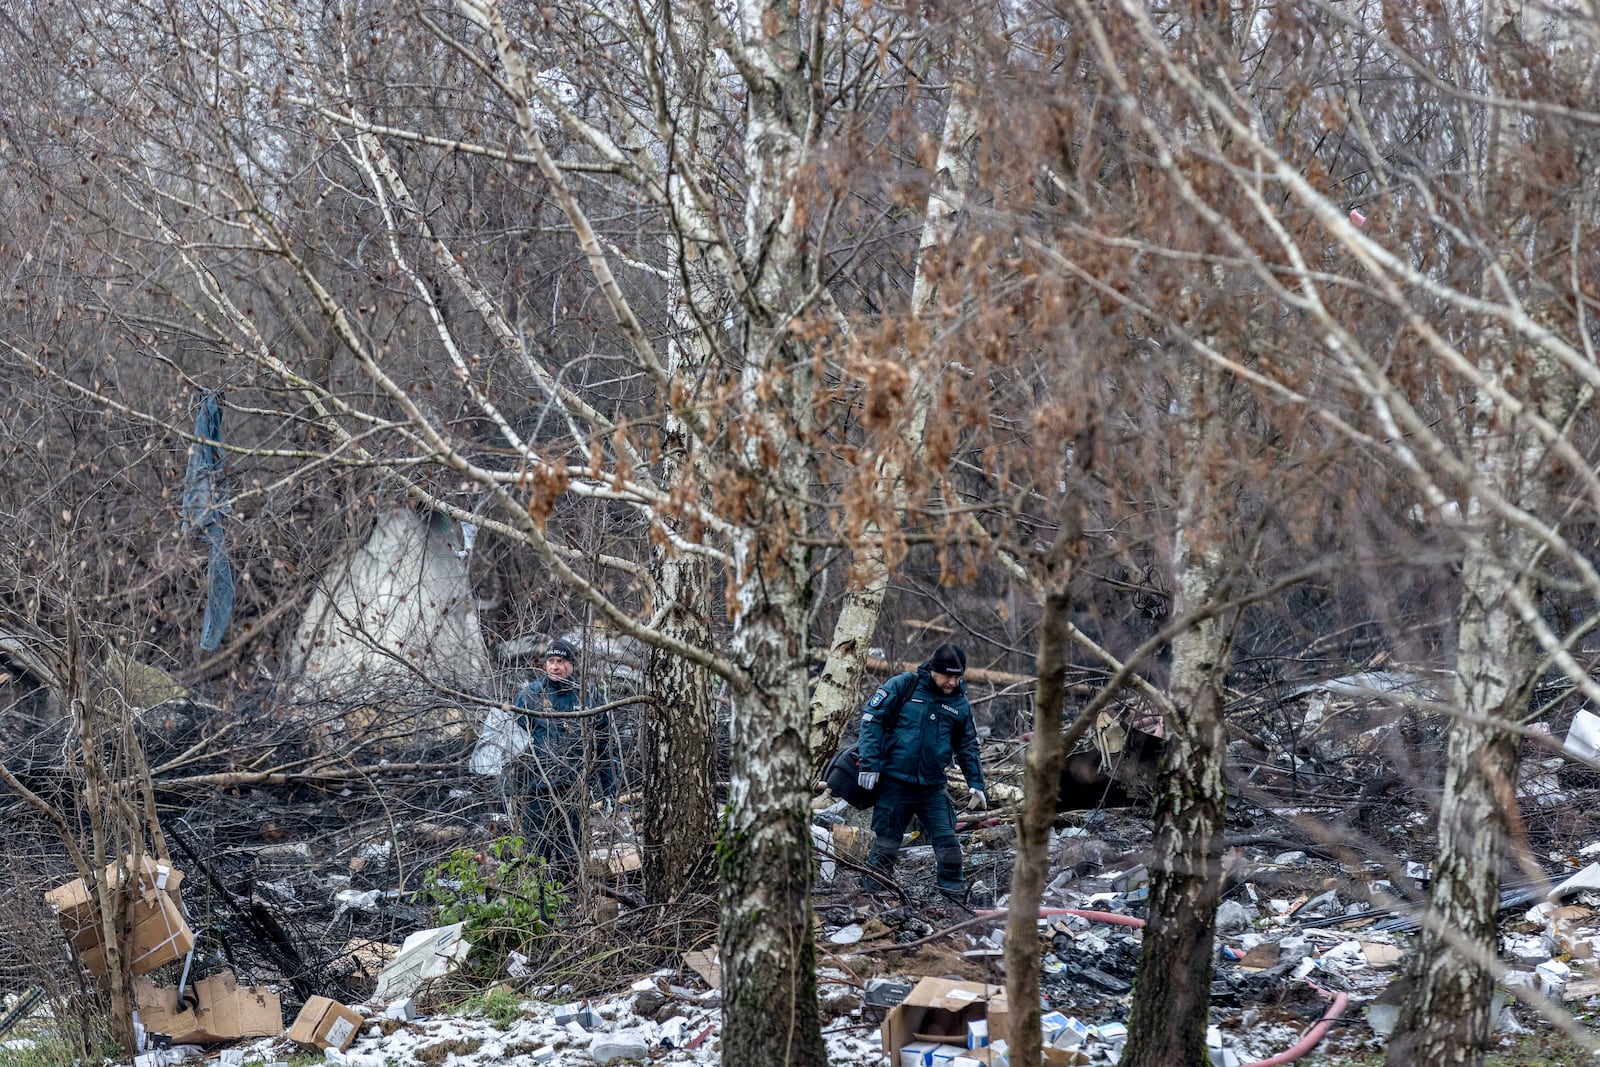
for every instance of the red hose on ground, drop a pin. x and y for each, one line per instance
(1318, 1030)
(1307, 1042)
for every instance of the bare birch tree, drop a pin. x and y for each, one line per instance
(1477, 317)
(285, 184)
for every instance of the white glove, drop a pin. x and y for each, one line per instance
(977, 802)
(867, 780)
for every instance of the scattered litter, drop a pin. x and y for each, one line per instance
(1232, 917)
(404, 1009)
(1583, 736)
(884, 992)
(846, 935)
(1553, 975)
(1586, 880)
(672, 1035)
(576, 1015)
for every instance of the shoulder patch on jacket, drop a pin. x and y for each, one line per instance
(878, 698)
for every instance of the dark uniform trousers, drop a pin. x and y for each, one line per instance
(898, 801)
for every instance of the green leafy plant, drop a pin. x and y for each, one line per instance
(499, 1005)
(504, 895)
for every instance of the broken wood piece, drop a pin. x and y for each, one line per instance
(1262, 957)
(1379, 954)
(704, 963)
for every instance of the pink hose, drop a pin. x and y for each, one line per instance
(1318, 1030)
(1309, 1041)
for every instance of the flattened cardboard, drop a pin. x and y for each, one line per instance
(367, 958)
(226, 1011)
(229, 1010)
(1263, 957)
(617, 860)
(325, 1023)
(1379, 954)
(852, 842)
(704, 962)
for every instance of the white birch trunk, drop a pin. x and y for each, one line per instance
(766, 935)
(1172, 995)
(838, 689)
(1446, 1020)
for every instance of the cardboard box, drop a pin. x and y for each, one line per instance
(160, 935)
(78, 909)
(226, 1011)
(617, 860)
(937, 1011)
(325, 1023)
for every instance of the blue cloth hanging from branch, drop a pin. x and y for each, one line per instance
(205, 502)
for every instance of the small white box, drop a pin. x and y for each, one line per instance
(1075, 1033)
(1111, 1033)
(978, 1033)
(917, 1054)
(1583, 736)
(1051, 1023)
(404, 1010)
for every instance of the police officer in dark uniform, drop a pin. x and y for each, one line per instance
(568, 763)
(929, 721)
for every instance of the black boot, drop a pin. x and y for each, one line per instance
(882, 880)
(947, 872)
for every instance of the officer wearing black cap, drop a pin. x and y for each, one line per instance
(568, 763)
(910, 730)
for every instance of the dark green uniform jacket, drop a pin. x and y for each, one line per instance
(928, 730)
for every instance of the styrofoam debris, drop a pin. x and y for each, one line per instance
(846, 935)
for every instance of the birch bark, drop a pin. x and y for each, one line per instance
(838, 687)
(766, 935)
(1172, 996)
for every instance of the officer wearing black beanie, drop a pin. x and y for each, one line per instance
(910, 730)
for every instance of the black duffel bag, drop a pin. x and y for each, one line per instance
(842, 777)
